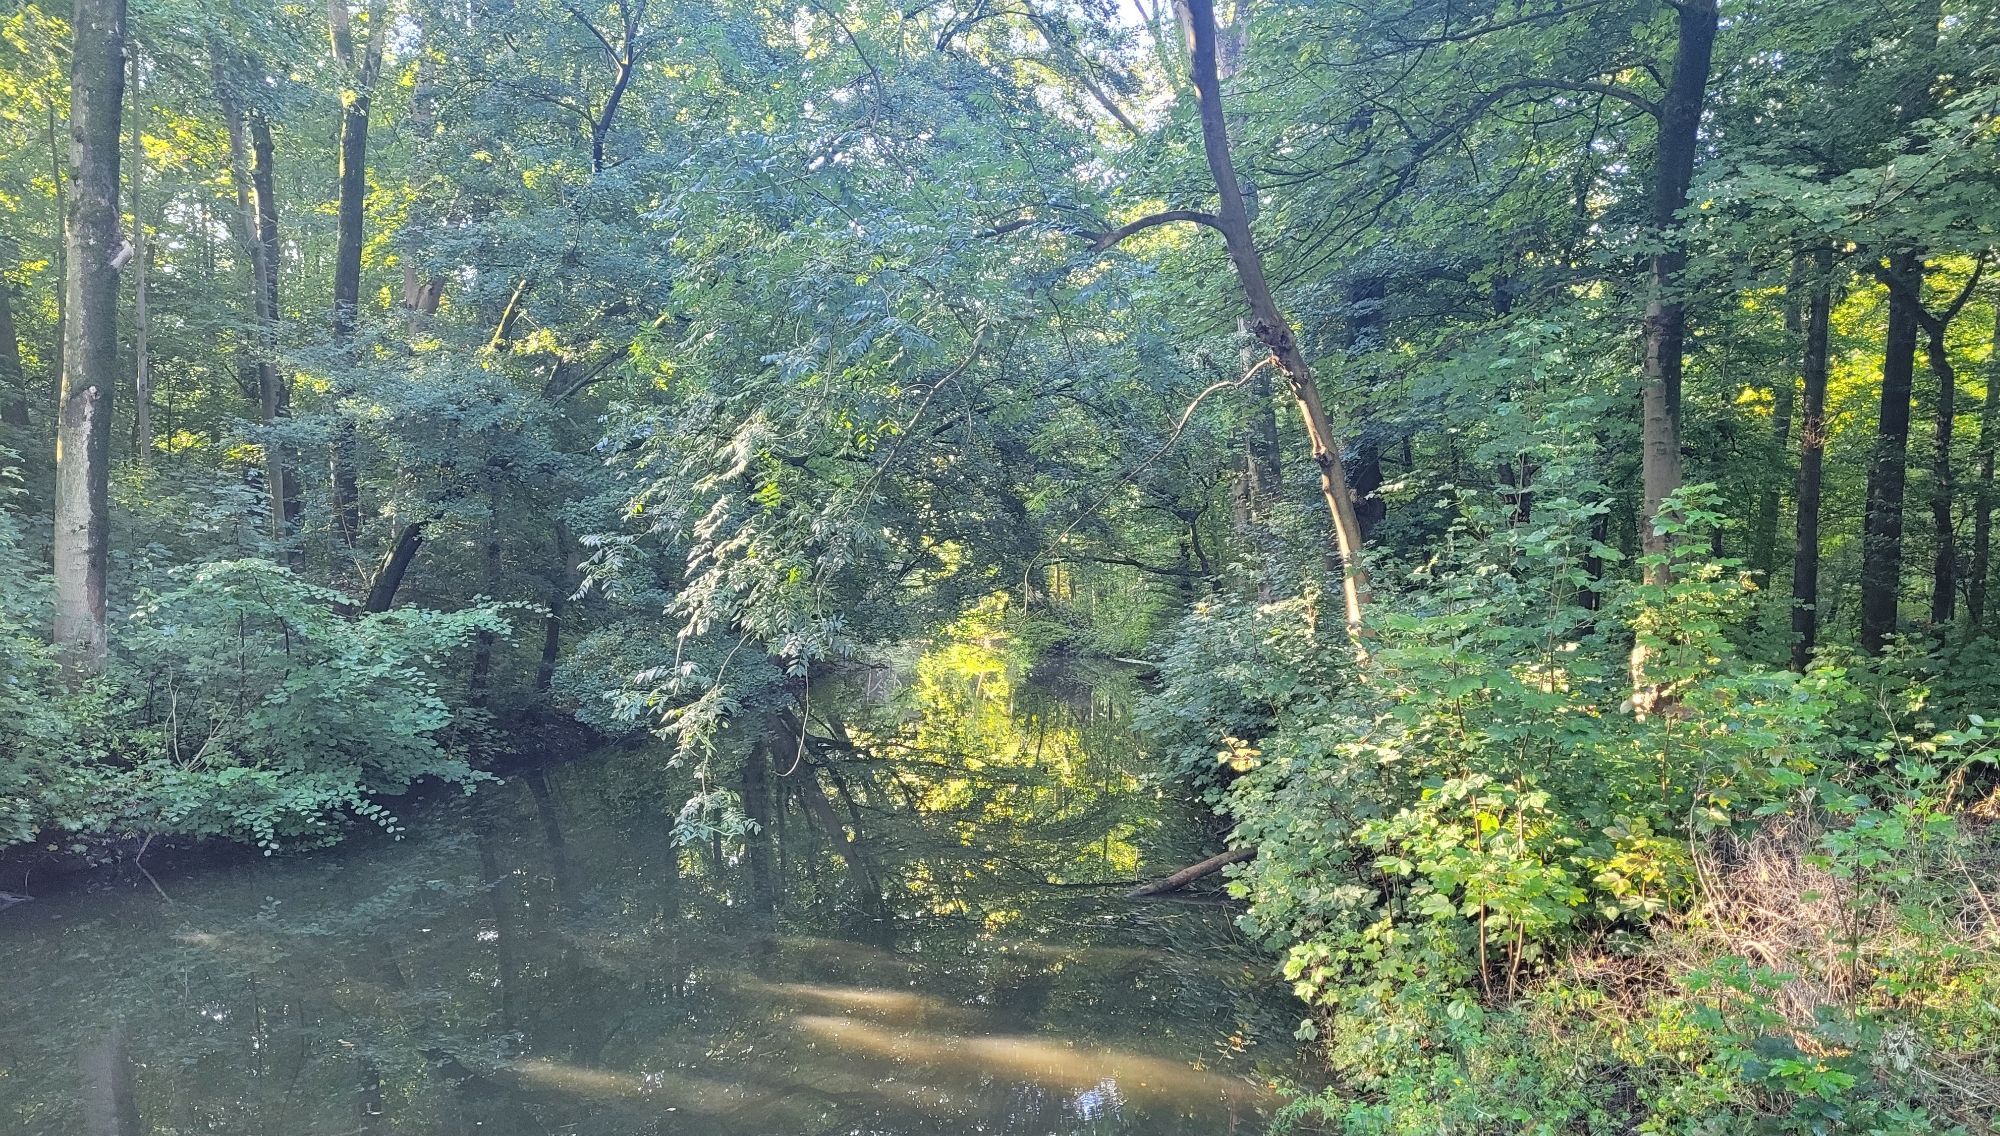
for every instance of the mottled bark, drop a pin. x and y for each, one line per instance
(90, 356)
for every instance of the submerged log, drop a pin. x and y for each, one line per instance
(1193, 872)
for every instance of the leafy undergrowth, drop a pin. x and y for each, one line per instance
(242, 704)
(1516, 899)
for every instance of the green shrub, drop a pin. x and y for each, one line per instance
(244, 704)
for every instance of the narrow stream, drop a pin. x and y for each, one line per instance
(542, 958)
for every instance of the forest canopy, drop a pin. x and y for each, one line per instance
(1541, 454)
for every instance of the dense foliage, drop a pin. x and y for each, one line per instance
(1492, 422)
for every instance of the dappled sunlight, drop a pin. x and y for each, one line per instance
(1053, 1064)
(873, 1002)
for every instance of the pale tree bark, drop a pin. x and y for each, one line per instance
(1812, 454)
(360, 70)
(1267, 321)
(90, 355)
(142, 364)
(1982, 517)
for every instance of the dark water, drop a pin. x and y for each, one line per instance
(543, 958)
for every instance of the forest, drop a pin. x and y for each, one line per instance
(1532, 461)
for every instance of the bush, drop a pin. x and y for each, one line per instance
(244, 704)
(1502, 891)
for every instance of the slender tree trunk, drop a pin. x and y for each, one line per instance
(421, 289)
(13, 381)
(90, 357)
(1267, 321)
(1982, 517)
(1264, 474)
(1944, 554)
(349, 214)
(1364, 333)
(545, 672)
(60, 181)
(489, 585)
(1882, 532)
(142, 366)
(389, 577)
(274, 394)
(1812, 454)
(1764, 537)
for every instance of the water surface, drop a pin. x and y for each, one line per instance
(544, 958)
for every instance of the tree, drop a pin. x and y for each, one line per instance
(95, 252)
(1267, 321)
(359, 72)
(1812, 455)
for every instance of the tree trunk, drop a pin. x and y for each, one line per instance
(545, 672)
(1812, 454)
(142, 372)
(1882, 532)
(274, 394)
(90, 355)
(389, 577)
(1193, 872)
(57, 178)
(489, 585)
(1666, 316)
(1267, 321)
(1364, 333)
(1982, 517)
(353, 181)
(1764, 537)
(1944, 554)
(13, 381)
(421, 290)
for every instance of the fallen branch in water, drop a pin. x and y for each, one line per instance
(1193, 872)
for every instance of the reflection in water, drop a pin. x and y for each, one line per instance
(899, 947)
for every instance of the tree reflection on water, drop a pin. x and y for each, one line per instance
(911, 940)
